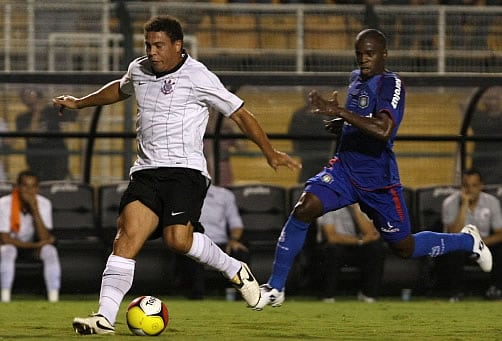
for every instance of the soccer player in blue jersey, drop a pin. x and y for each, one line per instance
(364, 170)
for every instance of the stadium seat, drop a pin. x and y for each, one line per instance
(494, 189)
(409, 198)
(73, 208)
(5, 188)
(81, 251)
(263, 211)
(428, 203)
(108, 205)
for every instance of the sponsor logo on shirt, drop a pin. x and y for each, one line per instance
(389, 228)
(397, 94)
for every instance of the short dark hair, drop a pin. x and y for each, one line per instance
(378, 35)
(165, 23)
(473, 171)
(26, 173)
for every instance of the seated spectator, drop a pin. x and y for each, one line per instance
(25, 221)
(350, 238)
(472, 206)
(223, 224)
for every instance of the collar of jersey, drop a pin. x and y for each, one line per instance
(174, 69)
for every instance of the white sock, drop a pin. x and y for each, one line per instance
(8, 255)
(204, 251)
(52, 268)
(5, 295)
(53, 295)
(116, 282)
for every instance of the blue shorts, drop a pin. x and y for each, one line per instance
(386, 207)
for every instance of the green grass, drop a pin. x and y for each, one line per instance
(32, 318)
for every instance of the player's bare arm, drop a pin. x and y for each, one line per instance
(378, 126)
(108, 94)
(251, 128)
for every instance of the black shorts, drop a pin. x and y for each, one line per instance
(175, 195)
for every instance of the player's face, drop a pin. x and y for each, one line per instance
(370, 57)
(162, 53)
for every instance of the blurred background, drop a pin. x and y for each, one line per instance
(269, 54)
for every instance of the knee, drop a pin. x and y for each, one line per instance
(403, 248)
(178, 240)
(308, 208)
(8, 253)
(48, 252)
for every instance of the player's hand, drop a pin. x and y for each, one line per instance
(319, 105)
(466, 198)
(279, 158)
(65, 101)
(30, 199)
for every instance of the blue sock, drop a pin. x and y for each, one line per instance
(288, 246)
(435, 244)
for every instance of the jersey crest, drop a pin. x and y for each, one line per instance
(167, 87)
(363, 101)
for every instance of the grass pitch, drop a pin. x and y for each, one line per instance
(32, 318)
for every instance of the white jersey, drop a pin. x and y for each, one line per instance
(173, 112)
(26, 229)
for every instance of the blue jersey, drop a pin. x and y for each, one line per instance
(371, 163)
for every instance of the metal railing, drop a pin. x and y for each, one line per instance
(254, 37)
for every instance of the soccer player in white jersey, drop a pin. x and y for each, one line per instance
(169, 179)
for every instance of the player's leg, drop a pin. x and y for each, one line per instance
(8, 255)
(388, 211)
(138, 219)
(52, 271)
(183, 197)
(136, 223)
(325, 192)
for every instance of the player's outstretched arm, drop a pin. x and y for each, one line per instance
(379, 125)
(108, 94)
(251, 128)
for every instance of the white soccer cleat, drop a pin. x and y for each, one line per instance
(270, 296)
(247, 285)
(94, 324)
(482, 252)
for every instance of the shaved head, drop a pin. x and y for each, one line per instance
(373, 34)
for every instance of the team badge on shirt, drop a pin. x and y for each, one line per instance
(363, 101)
(326, 178)
(167, 87)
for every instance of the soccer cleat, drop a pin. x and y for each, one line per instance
(269, 296)
(94, 324)
(247, 285)
(481, 251)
